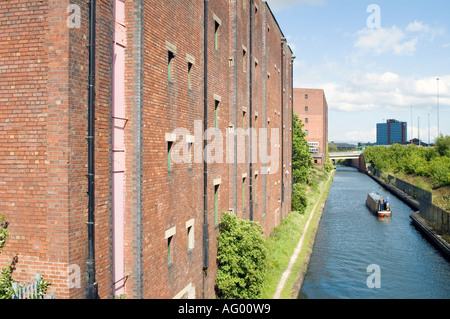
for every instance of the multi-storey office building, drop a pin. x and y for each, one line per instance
(122, 139)
(392, 132)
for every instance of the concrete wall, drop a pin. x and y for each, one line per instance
(359, 163)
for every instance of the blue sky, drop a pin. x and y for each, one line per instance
(372, 69)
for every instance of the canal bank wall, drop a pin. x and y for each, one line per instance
(417, 217)
(431, 233)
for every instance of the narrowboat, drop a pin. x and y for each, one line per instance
(378, 205)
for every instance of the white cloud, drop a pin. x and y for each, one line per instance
(377, 81)
(385, 91)
(417, 26)
(382, 40)
(394, 40)
(424, 30)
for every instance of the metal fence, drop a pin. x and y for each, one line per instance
(436, 215)
(30, 290)
(413, 191)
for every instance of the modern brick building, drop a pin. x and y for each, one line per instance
(163, 73)
(312, 108)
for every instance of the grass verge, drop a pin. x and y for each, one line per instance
(285, 238)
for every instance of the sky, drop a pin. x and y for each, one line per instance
(375, 60)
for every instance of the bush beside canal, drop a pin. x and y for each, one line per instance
(241, 258)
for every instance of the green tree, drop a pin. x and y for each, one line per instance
(332, 147)
(378, 156)
(3, 232)
(414, 160)
(301, 158)
(439, 171)
(443, 145)
(241, 257)
(6, 281)
(299, 198)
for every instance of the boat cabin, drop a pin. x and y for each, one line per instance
(378, 205)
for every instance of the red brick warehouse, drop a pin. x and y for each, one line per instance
(312, 108)
(163, 73)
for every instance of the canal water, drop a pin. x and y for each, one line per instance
(355, 250)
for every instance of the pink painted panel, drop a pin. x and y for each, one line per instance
(120, 34)
(118, 156)
(118, 134)
(119, 11)
(118, 233)
(118, 162)
(119, 82)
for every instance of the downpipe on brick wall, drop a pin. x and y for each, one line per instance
(92, 286)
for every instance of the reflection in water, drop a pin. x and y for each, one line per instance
(350, 239)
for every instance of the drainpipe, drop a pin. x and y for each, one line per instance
(205, 165)
(92, 286)
(251, 109)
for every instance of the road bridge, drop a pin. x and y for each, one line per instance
(344, 155)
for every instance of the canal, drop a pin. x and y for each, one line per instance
(354, 250)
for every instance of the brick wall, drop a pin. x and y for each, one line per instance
(43, 129)
(170, 197)
(33, 164)
(273, 113)
(217, 96)
(43, 126)
(317, 115)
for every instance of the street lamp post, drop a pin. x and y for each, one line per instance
(437, 79)
(412, 132)
(418, 130)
